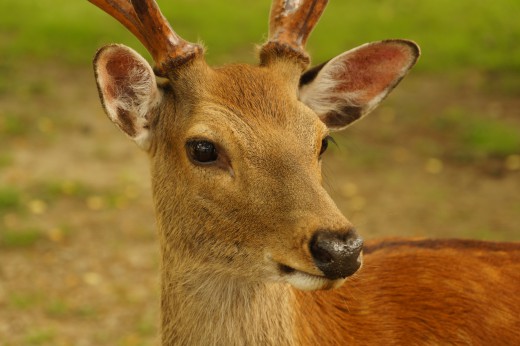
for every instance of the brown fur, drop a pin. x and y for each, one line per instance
(220, 233)
(235, 234)
(428, 292)
(215, 282)
(218, 283)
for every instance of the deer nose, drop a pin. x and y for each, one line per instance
(336, 253)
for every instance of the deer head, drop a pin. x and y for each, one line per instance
(236, 151)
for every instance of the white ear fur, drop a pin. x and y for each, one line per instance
(128, 90)
(355, 82)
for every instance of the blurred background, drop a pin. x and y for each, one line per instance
(78, 250)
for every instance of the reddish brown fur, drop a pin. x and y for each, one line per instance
(427, 292)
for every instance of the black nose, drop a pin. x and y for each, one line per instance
(336, 253)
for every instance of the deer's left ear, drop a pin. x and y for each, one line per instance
(352, 84)
(128, 90)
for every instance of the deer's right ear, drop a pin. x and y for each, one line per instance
(352, 84)
(128, 90)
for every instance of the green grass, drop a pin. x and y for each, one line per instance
(10, 198)
(57, 309)
(24, 301)
(60, 309)
(86, 312)
(453, 35)
(52, 190)
(5, 160)
(472, 136)
(41, 336)
(19, 238)
(492, 138)
(12, 125)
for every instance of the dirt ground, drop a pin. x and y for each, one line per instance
(79, 258)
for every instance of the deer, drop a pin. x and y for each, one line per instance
(253, 249)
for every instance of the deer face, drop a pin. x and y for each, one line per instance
(246, 160)
(236, 156)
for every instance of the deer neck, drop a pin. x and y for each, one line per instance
(208, 308)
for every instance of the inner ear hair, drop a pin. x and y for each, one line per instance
(309, 75)
(128, 90)
(352, 84)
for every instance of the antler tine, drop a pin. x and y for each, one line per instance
(144, 19)
(168, 47)
(290, 24)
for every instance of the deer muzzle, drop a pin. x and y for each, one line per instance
(336, 253)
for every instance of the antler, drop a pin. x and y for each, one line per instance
(290, 24)
(144, 19)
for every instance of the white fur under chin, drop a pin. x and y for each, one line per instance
(308, 282)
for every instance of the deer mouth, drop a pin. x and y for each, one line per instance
(307, 282)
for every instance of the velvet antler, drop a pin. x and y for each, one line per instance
(290, 24)
(144, 19)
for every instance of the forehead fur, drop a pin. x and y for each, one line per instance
(256, 94)
(248, 104)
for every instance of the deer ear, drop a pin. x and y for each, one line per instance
(352, 84)
(128, 90)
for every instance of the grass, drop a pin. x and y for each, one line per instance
(55, 189)
(93, 198)
(492, 138)
(40, 336)
(10, 198)
(474, 136)
(57, 309)
(453, 35)
(5, 160)
(11, 125)
(24, 301)
(24, 207)
(20, 238)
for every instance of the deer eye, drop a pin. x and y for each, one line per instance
(201, 151)
(325, 144)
